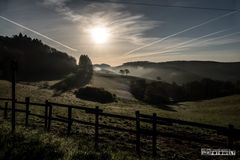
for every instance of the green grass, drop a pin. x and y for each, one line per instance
(34, 144)
(118, 145)
(220, 111)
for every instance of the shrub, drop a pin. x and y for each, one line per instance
(137, 88)
(156, 94)
(95, 94)
(153, 93)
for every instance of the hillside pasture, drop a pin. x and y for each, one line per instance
(220, 111)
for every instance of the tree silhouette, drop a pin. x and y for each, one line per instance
(81, 77)
(127, 71)
(85, 69)
(122, 71)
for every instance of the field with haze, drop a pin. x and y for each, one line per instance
(177, 71)
(219, 111)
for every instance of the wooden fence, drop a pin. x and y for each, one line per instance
(230, 132)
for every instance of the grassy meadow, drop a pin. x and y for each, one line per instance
(113, 145)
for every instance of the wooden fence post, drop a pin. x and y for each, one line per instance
(230, 135)
(49, 116)
(46, 115)
(96, 127)
(69, 120)
(27, 101)
(5, 110)
(13, 69)
(137, 132)
(154, 135)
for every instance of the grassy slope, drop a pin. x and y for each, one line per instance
(116, 84)
(219, 111)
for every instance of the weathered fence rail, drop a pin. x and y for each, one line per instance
(230, 132)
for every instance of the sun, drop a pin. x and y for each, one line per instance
(100, 34)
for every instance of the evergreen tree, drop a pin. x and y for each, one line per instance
(85, 69)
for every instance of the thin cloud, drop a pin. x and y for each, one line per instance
(180, 32)
(194, 43)
(33, 31)
(177, 46)
(124, 26)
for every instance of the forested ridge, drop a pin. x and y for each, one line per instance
(36, 61)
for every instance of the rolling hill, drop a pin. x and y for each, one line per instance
(116, 84)
(179, 71)
(34, 139)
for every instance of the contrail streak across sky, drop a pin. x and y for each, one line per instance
(33, 31)
(204, 41)
(180, 45)
(180, 32)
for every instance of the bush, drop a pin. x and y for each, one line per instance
(137, 88)
(156, 94)
(95, 94)
(153, 93)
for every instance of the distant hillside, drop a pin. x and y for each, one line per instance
(104, 68)
(116, 84)
(183, 71)
(103, 65)
(36, 60)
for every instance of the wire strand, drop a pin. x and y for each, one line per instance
(161, 5)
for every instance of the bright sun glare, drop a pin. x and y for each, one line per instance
(100, 34)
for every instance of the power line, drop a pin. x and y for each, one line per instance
(161, 5)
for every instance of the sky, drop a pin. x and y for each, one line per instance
(136, 30)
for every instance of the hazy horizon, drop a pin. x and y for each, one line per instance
(115, 33)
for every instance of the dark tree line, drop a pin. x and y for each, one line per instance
(208, 88)
(164, 93)
(36, 60)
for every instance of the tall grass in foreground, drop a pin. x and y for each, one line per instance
(32, 144)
